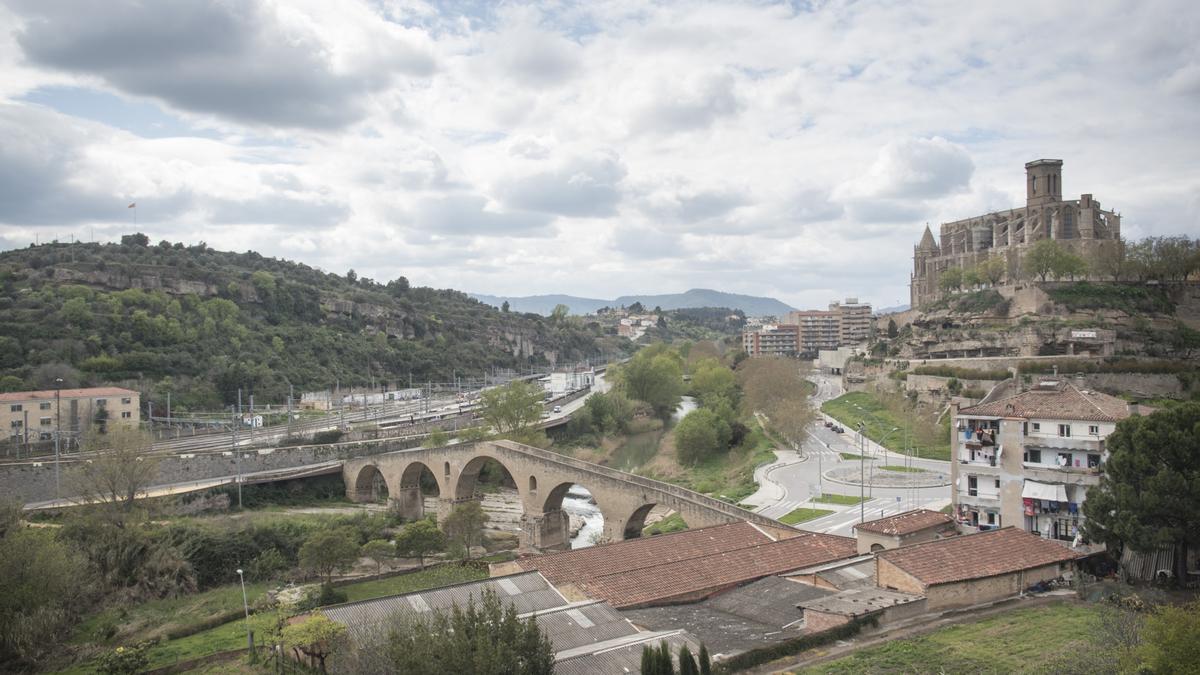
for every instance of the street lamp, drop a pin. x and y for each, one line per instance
(246, 607)
(57, 434)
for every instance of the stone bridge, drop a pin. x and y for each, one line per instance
(542, 479)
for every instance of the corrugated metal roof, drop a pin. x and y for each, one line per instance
(623, 655)
(771, 600)
(527, 592)
(580, 624)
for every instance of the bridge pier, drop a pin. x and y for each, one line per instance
(408, 502)
(548, 531)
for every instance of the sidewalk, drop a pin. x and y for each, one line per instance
(770, 492)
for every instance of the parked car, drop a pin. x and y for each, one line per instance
(828, 424)
(558, 408)
(838, 430)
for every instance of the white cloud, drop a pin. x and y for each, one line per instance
(615, 147)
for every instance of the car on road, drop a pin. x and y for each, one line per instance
(558, 408)
(838, 430)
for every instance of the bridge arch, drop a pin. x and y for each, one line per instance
(416, 481)
(370, 485)
(466, 485)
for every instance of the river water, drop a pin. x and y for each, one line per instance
(578, 502)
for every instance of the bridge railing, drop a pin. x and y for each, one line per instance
(642, 481)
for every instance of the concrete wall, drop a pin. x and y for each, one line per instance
(867, 539)
(888, 575)
(815, 621)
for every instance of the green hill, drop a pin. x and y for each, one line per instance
(203, 323)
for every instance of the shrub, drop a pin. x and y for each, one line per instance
(324, 437)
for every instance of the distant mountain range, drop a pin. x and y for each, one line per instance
(696, 297)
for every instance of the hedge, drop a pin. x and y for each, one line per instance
(762, 655)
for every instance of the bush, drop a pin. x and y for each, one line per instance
(755, 657)
(962, 373)
(322, 596)
(324, 437)
(123, 661)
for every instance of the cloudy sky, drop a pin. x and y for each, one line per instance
(593, 148)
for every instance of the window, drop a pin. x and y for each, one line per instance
(1064, 430)
(1037, 426)
(126, 415)
(1064, 459)
(1033, 456)
(972, 486)
(997, 483)
(1094, 429)
(45, 421)
(1093, 461)
(101, 402)
(15, 408)
(126, 401)
(991, 518)
(17, 424)
(44, 406)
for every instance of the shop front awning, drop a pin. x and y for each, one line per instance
(1051, 492)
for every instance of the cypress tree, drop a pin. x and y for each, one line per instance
(649, 660)
(664, 659)
(705, 660)
(687, 664)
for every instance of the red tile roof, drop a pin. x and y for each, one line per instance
(976, 556)
(906, 523)
(1062, 401)
(640, 572)
(94, 392)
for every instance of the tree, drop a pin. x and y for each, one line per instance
(1042, 259)
(1170, 640)
(892, 331)
(122, 469)
(513, 408)
(11, 383)
(420, 538)
(328, 551)
(1110, 260)
(710, 378)
(971, 277)
(950, 280)
(137, 239)
(700, 435)
(1149, 491)
(380, 551)
(655, 377)
(1070, 266)
(687, 662)
(352, 276)
(464, 525)
(993, 269)
(705, 661)
(504, 307)
(317, 637)
(44, 581)
(559, 313)
(487, 637)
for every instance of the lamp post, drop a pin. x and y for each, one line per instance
(57, 434)
(246, 607)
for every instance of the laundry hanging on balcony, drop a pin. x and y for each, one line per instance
(1051, 492)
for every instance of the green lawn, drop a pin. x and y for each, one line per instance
(1019, 641)
(845, 500)
(850, 456)
(901, 469)
(672, 523)
(803, 515)
(858, 406)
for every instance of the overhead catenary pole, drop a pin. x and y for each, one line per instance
(237, 456)
(57, 434)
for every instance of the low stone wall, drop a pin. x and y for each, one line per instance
(927, 383)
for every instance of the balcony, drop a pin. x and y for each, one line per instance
(977, 498)
(1093, 444)
(1054, 473)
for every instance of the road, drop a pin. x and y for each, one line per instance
(792, 482)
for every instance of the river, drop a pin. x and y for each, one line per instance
(578, 502)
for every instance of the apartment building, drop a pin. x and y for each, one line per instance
(772, 340)
(818, 329)
(854, 321)
(1028, 460)
(31, 416)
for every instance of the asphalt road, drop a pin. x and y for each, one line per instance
(801, 480)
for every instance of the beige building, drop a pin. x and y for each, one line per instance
(973, 569)
(1079, 224)
(854, 321)
(772, 340)
(31, 416)
(843, 324)
(1028, 460)
(903, 529)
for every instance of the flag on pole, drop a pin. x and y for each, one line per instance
(133, 205)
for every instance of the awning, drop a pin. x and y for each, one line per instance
(1048, 491)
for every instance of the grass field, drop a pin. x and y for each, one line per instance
(857, 406)
(844, 500)
(901, 469)
(803, 515)
(850, 456)
(672, 523)
(1020, 641)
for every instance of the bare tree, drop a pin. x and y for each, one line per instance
(120, 470)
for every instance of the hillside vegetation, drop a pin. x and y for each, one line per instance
(203, 323)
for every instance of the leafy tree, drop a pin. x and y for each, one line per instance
(1111, 261)
(892, 331)
(11, 383)
(328, 551)
(1070, 266)
(700, 435)
(352, 276)
(1170, 640)
(513, 408)
(464, 525)
(710, 378)
(1149, 491)
(487, 637)
(137, 239)
(993, 269)
(1043, 258)
(971, 277)
(45, 581)
(420, 538)
(654, 376)
(380, 551)
(950, 280)
(317, 637)
(436, 439)
(122, 468)
(559, 313)
(504, 307)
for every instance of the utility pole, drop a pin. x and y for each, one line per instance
(252, 420)
(237, 456)
(862, 477)
(291, 393)
(168, 413)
